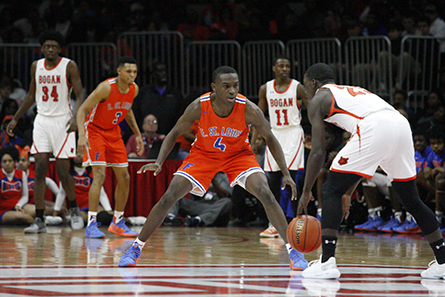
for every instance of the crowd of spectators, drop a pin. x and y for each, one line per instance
(241, 20)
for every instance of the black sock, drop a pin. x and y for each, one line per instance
(39, 213)
(72, 203)
(439, 250)
(329, 244)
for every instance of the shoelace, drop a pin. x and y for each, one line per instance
(313, 262)
(135, 252)
(123, 226)
(75, 218)
(432, 263)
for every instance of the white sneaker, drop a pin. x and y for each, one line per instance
(321, 287)
(326, 270)
(53, 220)
(270, 232)
(37, 227)
(76, 218)
(435, 270)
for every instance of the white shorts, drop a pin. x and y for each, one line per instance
(382, 139)
(291, 141)
(49, 136)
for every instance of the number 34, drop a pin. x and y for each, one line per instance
(53, 94)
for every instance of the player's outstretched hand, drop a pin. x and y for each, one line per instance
(11, 127)
(152, 167)
(72, 125)
(82, 145)
(288, 181)
(304, 201)
(139, 145)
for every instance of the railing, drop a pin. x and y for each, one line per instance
(151, 47)
(305, 52)
(368, 62)
(96, 62)
(361, 61)
(201, 58)
(16, 60)
(419, 69)
(257, 64)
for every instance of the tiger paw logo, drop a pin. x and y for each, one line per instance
(343, 161)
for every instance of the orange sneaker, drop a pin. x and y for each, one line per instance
(270, 232)
(121, 229)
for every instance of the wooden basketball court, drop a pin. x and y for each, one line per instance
(181, 261)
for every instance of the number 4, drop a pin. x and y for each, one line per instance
(219, 145)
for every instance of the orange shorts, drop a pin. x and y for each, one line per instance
(200, 168)
(106, 148)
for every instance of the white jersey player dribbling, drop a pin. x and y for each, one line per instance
(53, 111)
(357, 111)
(285, 119)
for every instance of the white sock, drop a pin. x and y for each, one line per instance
(118, 216)
(439, 216)
(371, 212)
(398, 215)
(288, 248)
(139, 243)
(92, 217)
(409, 217)
(377, 211)
(319, 211)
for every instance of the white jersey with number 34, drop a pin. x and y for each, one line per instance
(284, 111)
(52, 89)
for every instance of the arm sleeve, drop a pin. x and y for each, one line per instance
(25, 194)
(51, 184)
(60, 198)
(104, 201)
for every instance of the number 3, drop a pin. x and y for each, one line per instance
(118, 115)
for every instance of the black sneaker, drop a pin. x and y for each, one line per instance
(172, 221)
(192, 222)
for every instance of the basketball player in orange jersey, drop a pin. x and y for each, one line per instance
(52, 80)
(283, 97)
(380, 136)
(101, 141)
(221, 145)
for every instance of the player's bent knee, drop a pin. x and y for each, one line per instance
(265, 196)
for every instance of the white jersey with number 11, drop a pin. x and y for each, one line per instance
(284, 110)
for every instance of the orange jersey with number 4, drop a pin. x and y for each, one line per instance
(107, 115)
(222, 135)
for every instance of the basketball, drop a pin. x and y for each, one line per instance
(304, 233)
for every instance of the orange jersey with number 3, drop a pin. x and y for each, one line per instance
(222, 135)
(109, 114)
